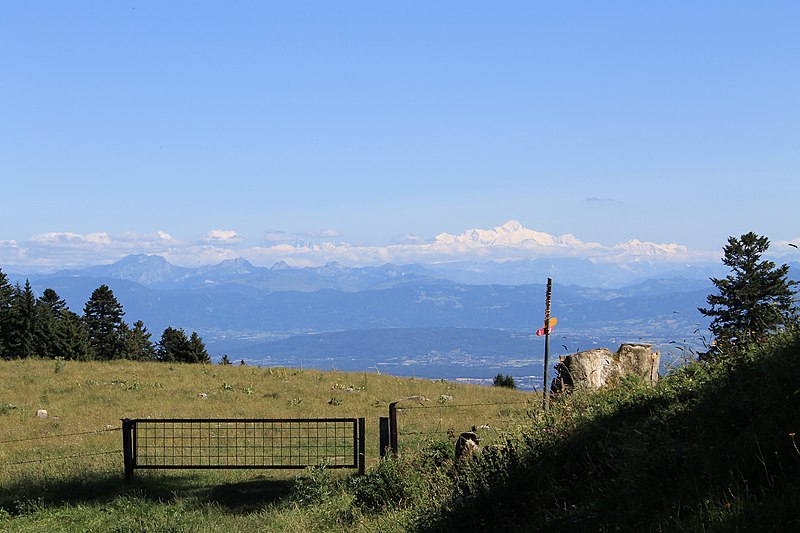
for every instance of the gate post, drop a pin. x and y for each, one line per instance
(384, 434)
(393, 428)
(361, 444)
(127, 448)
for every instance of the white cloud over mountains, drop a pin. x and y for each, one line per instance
(512, 240)
(222, 237)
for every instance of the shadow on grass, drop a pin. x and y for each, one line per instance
(237, 497)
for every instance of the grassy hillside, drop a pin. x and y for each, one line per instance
(711, 448)
(86, 400)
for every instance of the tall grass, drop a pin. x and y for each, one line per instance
(67, 468)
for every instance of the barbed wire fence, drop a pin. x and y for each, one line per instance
(97, 432)
(412, 422)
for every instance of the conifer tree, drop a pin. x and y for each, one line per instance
(138, 345)
(23, 322)
(174, 347)
(74, 342)
(50, 336)
(6, 297)
(755, 299)
(103, 317)
(198, 349)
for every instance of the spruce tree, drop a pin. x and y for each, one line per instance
(174, 347)
(198, 349)
(50, 309)
(103, 317)
(138, 345)
(23, 322)
(755, 299)
(6, 297)
(74, 341)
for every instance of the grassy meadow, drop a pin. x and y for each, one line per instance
(712, 447)
(86, 400)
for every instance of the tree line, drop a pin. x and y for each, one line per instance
(45, 327)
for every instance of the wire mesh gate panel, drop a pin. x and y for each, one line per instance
(242, 443)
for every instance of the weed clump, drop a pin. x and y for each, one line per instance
(394, 482)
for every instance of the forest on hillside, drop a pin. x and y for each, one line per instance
(44, 326)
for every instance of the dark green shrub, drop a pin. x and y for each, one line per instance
(504, 381)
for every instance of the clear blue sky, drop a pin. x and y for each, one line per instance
(659, 121)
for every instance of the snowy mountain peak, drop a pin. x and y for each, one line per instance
(510, 234)
(637, 247)
(511, 226)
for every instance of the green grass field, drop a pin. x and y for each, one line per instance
(65, 471)
(712, 447)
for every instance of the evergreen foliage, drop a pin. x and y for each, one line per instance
(138, 345)
(504, 381)
(103, 316)
(755, 299)
(6, 297)
(197, 349)
(22, 340)
(73, 342)
(45, 327)
(174, 346)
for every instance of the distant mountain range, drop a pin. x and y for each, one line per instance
(404, 313)
(156, 272)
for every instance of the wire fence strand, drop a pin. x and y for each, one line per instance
(61, 457)
(95, 432)
(453, 406)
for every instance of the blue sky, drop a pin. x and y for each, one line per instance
(221, 123)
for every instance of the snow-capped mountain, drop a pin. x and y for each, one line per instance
(510, 234)
(650, 249)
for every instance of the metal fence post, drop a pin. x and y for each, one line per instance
(393, 428)
(362, 467)
(127, 448)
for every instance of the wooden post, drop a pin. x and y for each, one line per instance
(361, 441)
(393, 428)
(546, 395)
(384, 434)
(127, 448)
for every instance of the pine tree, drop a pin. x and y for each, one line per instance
(50, 309)
(198, 349)
(74, 341)
(174, 347)
(755, 299)
(23, 322)
(6, 297)
(103, 317)
(138, 345)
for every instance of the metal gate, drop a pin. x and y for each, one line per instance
(226, 443)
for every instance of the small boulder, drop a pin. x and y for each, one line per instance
(41, 413)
